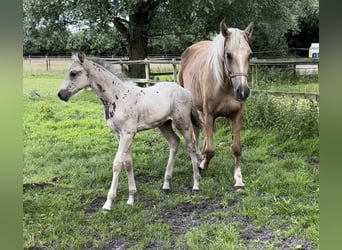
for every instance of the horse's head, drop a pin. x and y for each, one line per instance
(76, 78)
(236, 58)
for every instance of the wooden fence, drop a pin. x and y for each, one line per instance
(254, 63)
(311, 64)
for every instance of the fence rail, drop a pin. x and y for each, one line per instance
(254, 63)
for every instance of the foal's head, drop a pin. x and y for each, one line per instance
(236, 58)
(76, 78)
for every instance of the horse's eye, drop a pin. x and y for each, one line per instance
(73, 73)
(229, 56)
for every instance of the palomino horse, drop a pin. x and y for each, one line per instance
(129, 109)
(215, 72)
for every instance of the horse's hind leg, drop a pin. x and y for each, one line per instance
(173, 140)
(236, 148)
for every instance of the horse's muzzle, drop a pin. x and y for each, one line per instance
(64, 95)
(242, 93)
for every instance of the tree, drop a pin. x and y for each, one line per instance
(155, 25)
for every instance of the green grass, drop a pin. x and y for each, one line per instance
(68, 153)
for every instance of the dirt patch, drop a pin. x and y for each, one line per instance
(117, 244)
(257, 238)
(186, 216)
(296, 243)
(95, 205)
(51, 182)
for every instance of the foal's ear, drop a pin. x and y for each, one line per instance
(81, 56)
(249, 30)
(223, 28)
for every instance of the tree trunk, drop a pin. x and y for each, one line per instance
(135, 32)
(137, 42)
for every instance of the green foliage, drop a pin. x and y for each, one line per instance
(291, 118)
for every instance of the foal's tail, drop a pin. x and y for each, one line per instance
(195, 119)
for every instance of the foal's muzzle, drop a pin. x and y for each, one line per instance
(64, 95)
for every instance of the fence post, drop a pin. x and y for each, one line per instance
(47, 63)
(254, 76)
(147, 71)
(174, 69)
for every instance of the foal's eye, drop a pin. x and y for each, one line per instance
(73, 73)
(229, 56)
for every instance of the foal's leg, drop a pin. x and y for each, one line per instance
(187, 134)
(131, 182)
(124, 148)
(209, 148)
(236, 148)
(173, 140)
(197, 131)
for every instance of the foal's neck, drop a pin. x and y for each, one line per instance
(106, 85)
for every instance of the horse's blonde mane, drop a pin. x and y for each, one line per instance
(216, 52)
(215, 57)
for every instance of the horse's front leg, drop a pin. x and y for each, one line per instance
(209, 148)
(125, 143)
(236, 148)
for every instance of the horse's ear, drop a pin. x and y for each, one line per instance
(249, 30)
(223, 28)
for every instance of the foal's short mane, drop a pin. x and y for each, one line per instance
(118, 76)
(216, 52)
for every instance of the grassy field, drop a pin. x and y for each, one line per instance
(68, 154)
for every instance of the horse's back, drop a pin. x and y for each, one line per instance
(192, 60)
(193, 70)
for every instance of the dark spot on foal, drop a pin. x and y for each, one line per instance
(100, 88)
(109, 109)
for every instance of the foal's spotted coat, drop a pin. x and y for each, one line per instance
(129, 109)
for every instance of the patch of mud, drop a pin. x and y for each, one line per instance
(296, 243)
(95, 206)
(51, 182)
(117, 244)
(257, 238)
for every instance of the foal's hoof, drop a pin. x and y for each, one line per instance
(239, 188)
(195, 191)
(166, 191)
